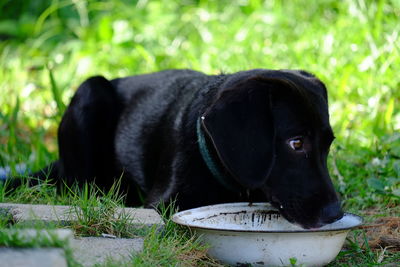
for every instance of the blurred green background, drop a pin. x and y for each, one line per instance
(48, 47)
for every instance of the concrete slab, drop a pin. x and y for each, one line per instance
(89, 251)
(32, 257)
(139, 216)
(65, 215)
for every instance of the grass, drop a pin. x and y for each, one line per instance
(358, 253)
(47, 48)
(97, 213)
(15, 238)
(35, 236)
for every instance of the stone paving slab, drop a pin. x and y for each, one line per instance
(89, 251)
(32, 257)
(65, 215)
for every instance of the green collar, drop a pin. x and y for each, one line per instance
(211, 164)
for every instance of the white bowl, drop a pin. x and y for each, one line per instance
(256, 234)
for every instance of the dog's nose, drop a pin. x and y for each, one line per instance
(331, 212)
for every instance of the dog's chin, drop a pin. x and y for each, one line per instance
(296, 218)
(305, 223)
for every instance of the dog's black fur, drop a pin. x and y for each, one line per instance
(268, 132)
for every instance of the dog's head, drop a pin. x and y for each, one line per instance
(271, 131)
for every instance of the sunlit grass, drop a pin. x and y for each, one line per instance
(352, 45)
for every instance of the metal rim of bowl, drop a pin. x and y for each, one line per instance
(176, 220)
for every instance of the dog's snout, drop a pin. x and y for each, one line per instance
(331, 212)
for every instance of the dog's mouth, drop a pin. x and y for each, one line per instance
(296, 217)
(309, 213)
(311, 218)
(285, 212)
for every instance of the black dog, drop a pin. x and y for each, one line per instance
(258, 135)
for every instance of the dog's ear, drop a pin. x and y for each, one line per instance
(241, 122)
(240, 126)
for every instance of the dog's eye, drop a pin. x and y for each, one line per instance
(296, 144)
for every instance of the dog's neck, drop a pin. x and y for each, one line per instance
(212, 165)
